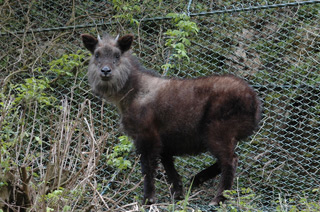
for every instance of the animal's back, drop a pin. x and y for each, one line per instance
(184, 112)
(215, 98)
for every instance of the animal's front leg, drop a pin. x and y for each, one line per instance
(148, 166)
(148, 145)
(173, 176)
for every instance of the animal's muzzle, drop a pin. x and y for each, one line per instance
(105, 73)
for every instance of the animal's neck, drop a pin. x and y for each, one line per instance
(129, 91)
(141, 87)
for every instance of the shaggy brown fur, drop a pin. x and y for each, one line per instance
(169, 117)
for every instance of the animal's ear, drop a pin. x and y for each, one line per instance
(124, 43)
(89, 42)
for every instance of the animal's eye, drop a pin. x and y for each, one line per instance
(117, 56)
(97, 55)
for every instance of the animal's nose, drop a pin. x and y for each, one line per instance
(105, 70)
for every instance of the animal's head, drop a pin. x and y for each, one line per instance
(109, 67)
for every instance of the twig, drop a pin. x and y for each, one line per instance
(101, 198)
(262, 127)
(126, 194)
(25, 188)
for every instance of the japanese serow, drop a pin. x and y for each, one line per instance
(169, 117)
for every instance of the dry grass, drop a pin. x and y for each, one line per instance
(56, 168)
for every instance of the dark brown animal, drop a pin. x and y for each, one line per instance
(169, 117)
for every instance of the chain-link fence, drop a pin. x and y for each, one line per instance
(55, 131)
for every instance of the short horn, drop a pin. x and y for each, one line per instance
(117, 37)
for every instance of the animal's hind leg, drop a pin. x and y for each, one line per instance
(173, 177)
(206, 174)
(228, 169)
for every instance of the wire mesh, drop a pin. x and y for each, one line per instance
(272, 44)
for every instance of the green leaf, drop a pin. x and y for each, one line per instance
(66, 208)
(38, 139)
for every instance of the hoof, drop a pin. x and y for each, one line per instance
(178, 195)
(177, 191)
(216, 201)
(148, 201)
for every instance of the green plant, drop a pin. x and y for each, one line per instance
(242, 199)
(245, 199)
(25, 102)
(291, 205)
(126, 10)
(55, 197)
(66, 64)
(179, 38)
(119, 154)
(33, 90)
(184, 203)
(10, 117)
